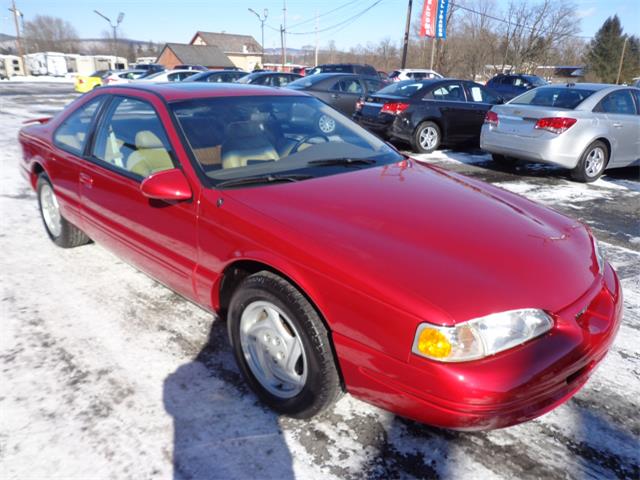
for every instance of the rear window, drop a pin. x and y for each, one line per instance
(534, 80)
(394, 74)
(557, 97)
(403, 89)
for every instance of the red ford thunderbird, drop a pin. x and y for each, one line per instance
(339, 264)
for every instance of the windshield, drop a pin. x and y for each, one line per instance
(534, 80)
(308, 81)
(241, 137)
(402, 89)
(249, 77)
(557, 97)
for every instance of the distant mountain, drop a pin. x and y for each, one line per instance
(90, 46)
(4, 36)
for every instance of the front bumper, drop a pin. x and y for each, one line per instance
(506, 389)
(559, 150)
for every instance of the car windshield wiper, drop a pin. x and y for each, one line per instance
(342, 161)
(236, 182)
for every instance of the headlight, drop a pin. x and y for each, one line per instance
(480, 337)
(599, 255)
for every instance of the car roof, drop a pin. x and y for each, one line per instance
(581, 86)
(174, 91)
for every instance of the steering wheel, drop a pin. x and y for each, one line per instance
(306, 139)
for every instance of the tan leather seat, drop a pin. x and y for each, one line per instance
(246, 142)
(150, 156)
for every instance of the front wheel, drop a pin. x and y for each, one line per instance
(592, 163)
(426, 138)
(282, 346)
(60, 231)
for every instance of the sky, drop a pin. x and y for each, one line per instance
(177, 21)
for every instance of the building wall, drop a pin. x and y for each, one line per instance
(198, 41)
(246, 62)
(168, 58)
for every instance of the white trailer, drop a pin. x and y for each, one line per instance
(46, 63)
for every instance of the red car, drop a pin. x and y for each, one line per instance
(339, 263)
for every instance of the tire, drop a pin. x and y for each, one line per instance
(503, 161)
(592, 163)
(427, 138)
(260, 301)
(60, 231)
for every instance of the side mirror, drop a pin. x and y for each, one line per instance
(167, 185)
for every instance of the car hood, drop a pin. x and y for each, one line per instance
(434, 243)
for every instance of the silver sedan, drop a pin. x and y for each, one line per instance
(585, 127)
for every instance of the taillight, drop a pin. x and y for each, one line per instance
(359, 104)
(491, 118)
(394, 108)
(81, 81)
(555, 124)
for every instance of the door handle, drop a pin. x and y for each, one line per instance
(617, 124)
(335, 95)
(86, 180)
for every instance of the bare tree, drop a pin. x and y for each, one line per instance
(45, 33)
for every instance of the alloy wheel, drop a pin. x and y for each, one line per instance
(50, 210)
(594, 162)
(428, 138)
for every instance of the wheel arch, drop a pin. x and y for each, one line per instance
(36, 170)
(239, 269)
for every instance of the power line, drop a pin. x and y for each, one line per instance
(350, 19)
(504, 20)
(325, 13)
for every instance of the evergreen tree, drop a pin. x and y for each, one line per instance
(605, 50)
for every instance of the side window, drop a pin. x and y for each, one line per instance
(636, 93)
(518, 82)
(173, 77)
(348, 86)
(72, 134)
(451, 92)
(620, 102)
(132, 139)
(477, 94)
(373, 85)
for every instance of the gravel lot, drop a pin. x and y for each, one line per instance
(107, 374)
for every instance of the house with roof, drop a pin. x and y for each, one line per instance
(243, 50)
(209, 56)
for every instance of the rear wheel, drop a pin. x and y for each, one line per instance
(60, 231)
(282, 346)
(427, 138)
(592, 163)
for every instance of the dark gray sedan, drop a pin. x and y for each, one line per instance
(339, 90)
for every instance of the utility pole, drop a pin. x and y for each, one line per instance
(405, 46)
(317, 41)
(624, 47)
(284, 31)
(262, 19)
(283, 57)
(17, 12)
(115, 28)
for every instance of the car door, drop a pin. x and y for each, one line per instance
(456, 113)
(69, 142)
(480, 100)
(619, 112)
(345, 92)
(130, 143)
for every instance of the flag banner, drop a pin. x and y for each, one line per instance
(428, 20)
(434, 18)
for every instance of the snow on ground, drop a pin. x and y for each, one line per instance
(41, 78)
(107, 374)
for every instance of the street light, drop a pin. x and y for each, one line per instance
(262, 20)
(115, 38)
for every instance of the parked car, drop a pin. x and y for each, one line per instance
(339, 90)
(217, 76)
(149, 67)
(122, 76)
(269, 79)
(201, 68)
(84, 83)
(355, 68)
(413, 74)
(169, 76)
(313, 248)
(427, 114)
(585, 127)
(509, 86)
